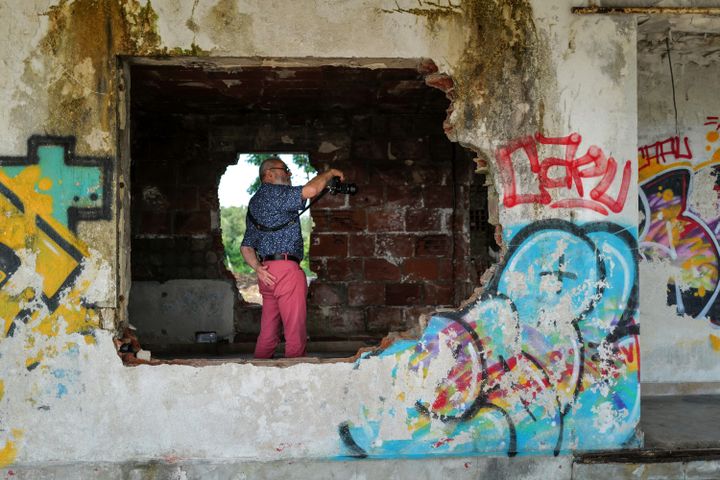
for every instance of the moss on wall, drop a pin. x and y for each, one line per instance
(76, 60)
(496, 80)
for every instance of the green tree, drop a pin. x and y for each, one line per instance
(232, 224)
(299, 159)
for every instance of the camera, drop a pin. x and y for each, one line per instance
(335, 186)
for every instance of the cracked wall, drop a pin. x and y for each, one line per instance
(541, 369)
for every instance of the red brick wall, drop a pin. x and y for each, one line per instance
(394, 250)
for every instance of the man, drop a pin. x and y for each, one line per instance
(273, 247)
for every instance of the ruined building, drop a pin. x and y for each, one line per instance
(537, 211)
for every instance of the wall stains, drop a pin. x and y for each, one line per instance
(76, 62)
(230, 26)
(545, 359)
(432, 11)
(501, 66)
(498, 74)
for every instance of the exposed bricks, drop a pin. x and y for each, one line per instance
(366, 293)
(440, 294)
(191, 222)
(328, 245)
(154, 223)
(383, 319)
(381, 256)
(421, 269)
(404, 196)
(427, 66)
(361, 245)
(440, 81)
(423, 220)
(368, 196)
(433, 245)
(386, 221)
(403, 294)
(378, 269)
(328, 293)
(437, 197)
(340, 220)
(343, 269)
(393, 245)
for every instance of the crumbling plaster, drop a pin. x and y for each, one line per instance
(76, 399)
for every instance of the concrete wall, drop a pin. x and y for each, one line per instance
(545, 359)
(679, 209)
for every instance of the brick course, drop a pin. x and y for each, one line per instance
(381, 256)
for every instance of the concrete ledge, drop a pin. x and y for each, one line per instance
(457, 468)
(657, 471)
(693, 388)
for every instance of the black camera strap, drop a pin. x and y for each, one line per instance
(265, 228)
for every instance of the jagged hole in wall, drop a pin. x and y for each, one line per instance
(414, 238)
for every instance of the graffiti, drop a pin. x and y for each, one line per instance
(569, 171)
(712, 121)
(664, 151)
(545, 359)
(669, 230)
(80, 187)
(45, 270)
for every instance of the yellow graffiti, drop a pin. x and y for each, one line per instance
(8, 454)
(55, 251)
(9, 451)
(715, 342)
(650, 168)
(47, 296)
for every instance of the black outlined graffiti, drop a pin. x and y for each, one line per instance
(529, 368)
(104, 164)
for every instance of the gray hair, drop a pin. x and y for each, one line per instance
(267, 165)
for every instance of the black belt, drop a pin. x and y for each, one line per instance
(280, 256)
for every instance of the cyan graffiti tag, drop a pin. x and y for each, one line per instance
(546, 359)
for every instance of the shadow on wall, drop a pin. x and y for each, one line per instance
(543, 362)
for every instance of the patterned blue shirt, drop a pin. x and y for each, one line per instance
(274, 205)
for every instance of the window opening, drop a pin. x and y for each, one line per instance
(398, 249)
(237, 185)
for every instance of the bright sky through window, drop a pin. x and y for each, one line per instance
(232, 190)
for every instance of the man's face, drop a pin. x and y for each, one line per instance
(279, 174)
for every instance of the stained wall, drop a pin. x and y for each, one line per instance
(679, 152)
(540, 361)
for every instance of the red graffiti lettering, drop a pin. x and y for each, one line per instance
(628, 353)
(668, 150)
(713, 121)
(566, 172)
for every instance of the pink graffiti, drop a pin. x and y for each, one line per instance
(593, 165)
(664, 151)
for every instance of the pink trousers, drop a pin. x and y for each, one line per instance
(284, 302)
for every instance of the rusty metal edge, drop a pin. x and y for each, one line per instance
(645, 10)
(648, 456)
